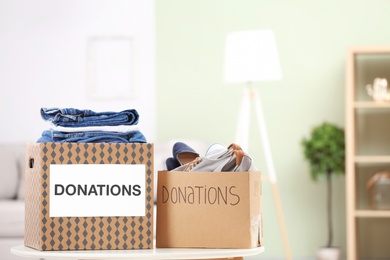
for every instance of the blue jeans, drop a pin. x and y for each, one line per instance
(91, 137)
(71, 117)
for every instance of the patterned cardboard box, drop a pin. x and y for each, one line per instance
(44, 232)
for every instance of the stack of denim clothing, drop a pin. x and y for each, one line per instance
(86, 126)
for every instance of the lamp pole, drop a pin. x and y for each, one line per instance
(252, 56)
(251, 95)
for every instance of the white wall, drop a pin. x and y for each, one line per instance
(43, 59)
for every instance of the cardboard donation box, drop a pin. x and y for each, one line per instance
(209, 209)
(86, 196)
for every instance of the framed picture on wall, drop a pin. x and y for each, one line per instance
(111, 67)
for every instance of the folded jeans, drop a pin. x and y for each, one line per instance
(72, 117)
(92, 137)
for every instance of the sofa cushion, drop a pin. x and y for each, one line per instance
(11, 218)
(21, 160)
(9, 172)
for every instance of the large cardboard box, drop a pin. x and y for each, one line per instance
(89, 196)
(209, 209)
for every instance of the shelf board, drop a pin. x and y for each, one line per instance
(372, 213)
(372, 159)
(371, 104)
(374, 49)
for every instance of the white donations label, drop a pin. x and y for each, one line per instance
(97, 190)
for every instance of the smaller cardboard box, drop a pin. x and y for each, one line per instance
(89, 196)
(209, 210)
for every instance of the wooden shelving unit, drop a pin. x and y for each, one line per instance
(358, 103)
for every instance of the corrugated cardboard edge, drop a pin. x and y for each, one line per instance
(256, 208)
(32, 221)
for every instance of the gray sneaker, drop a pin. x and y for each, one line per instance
(219, 151)
(221, 164)
(215, 150)
(241, 162)
(246, 165)
(220, 159)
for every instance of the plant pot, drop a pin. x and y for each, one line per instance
(328, 253)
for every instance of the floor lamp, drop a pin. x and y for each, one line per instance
(252, 56)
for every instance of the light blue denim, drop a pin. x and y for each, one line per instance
(72, 117)
(92, 137)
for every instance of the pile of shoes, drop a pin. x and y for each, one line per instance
(217, 158)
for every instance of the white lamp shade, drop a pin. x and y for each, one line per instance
(251, 56)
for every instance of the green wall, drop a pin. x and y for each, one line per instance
(312, 38)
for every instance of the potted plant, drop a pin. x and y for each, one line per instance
(325, 152)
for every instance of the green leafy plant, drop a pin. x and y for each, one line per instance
(325, 152)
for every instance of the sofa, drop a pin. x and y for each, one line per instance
(12, 160)
(12, 157)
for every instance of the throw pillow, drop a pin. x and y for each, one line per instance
(8, 174)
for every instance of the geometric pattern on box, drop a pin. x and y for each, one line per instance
(84, 233)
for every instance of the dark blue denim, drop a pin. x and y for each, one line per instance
(92, 137)
(72, 117)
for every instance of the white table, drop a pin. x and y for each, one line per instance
(144, 254)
